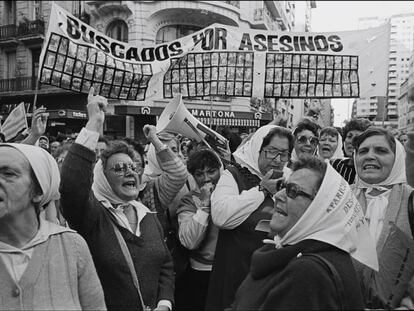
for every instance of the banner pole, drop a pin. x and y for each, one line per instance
(35, 96)
(211, 113)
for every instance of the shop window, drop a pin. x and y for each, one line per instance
(118, 30)
(173, 32)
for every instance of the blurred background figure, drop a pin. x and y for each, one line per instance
(43, 142)
(346, 166)
(100, 146)
(55, 149)
(330, 144)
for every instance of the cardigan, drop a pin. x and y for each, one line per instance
(84, 213)
(396, 214)
(60, 275)
(197, 232)
(285, 279)
(235, 247)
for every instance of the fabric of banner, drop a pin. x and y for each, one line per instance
(219, 60)
(15, 122)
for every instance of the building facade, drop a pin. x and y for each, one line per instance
(22, 30)
(23, 26)
(384, 110)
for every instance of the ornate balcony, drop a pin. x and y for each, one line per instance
(24, 86)
(31, 32)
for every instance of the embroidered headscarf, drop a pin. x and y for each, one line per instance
(335, 217)
(45, 169)
(377, 204)
(248, 154)
(104, 193)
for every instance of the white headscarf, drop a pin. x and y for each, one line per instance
(248, 154)
(335, 217)
(104, 193)
(153, 168)
(45, 169)
(377, 205)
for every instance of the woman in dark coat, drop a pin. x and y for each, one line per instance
(317, 225)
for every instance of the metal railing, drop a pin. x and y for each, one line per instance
(8, 31)
(36, 27)
(18, 84)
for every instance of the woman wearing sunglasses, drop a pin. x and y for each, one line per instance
(316, 227)
(240, 200)
(125, 237)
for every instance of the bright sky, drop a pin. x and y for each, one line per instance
(343, 15)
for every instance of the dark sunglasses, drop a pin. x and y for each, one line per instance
(304, 139)
(121, 168)
(293, 190)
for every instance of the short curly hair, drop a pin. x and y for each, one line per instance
(359, 124)
(201, 159)
(114, 147)
(306, 124)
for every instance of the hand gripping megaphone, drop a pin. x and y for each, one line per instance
(177, 119)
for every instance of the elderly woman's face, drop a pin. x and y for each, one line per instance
(305, 143)
(348, 146)
(374, 159)
(274, 155)
(122, 175)
(16, 185)
(327, 145)
(287, 209)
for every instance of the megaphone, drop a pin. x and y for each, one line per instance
(177, 119)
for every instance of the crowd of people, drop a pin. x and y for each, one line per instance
(302, 218)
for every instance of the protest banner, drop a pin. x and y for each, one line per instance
(15, 122)
(219, 60)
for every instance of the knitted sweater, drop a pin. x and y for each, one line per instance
(84, 213)
(60, 275)
(409, 159)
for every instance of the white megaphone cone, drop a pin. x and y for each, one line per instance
(177, 119)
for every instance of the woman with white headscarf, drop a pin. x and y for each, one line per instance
(43, 266)
(101, 202)
(316, 227)
(330, 144)
(383, 193)
(240, 200)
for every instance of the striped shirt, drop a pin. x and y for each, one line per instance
(346, 168)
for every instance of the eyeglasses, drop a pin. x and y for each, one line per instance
(293, 190)
(272, 154)
(121, 168)
(304, 139)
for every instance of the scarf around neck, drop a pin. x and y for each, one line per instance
(104, 193)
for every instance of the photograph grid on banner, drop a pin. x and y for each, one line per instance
(210, 73)
(311, 75)
(78, 67)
